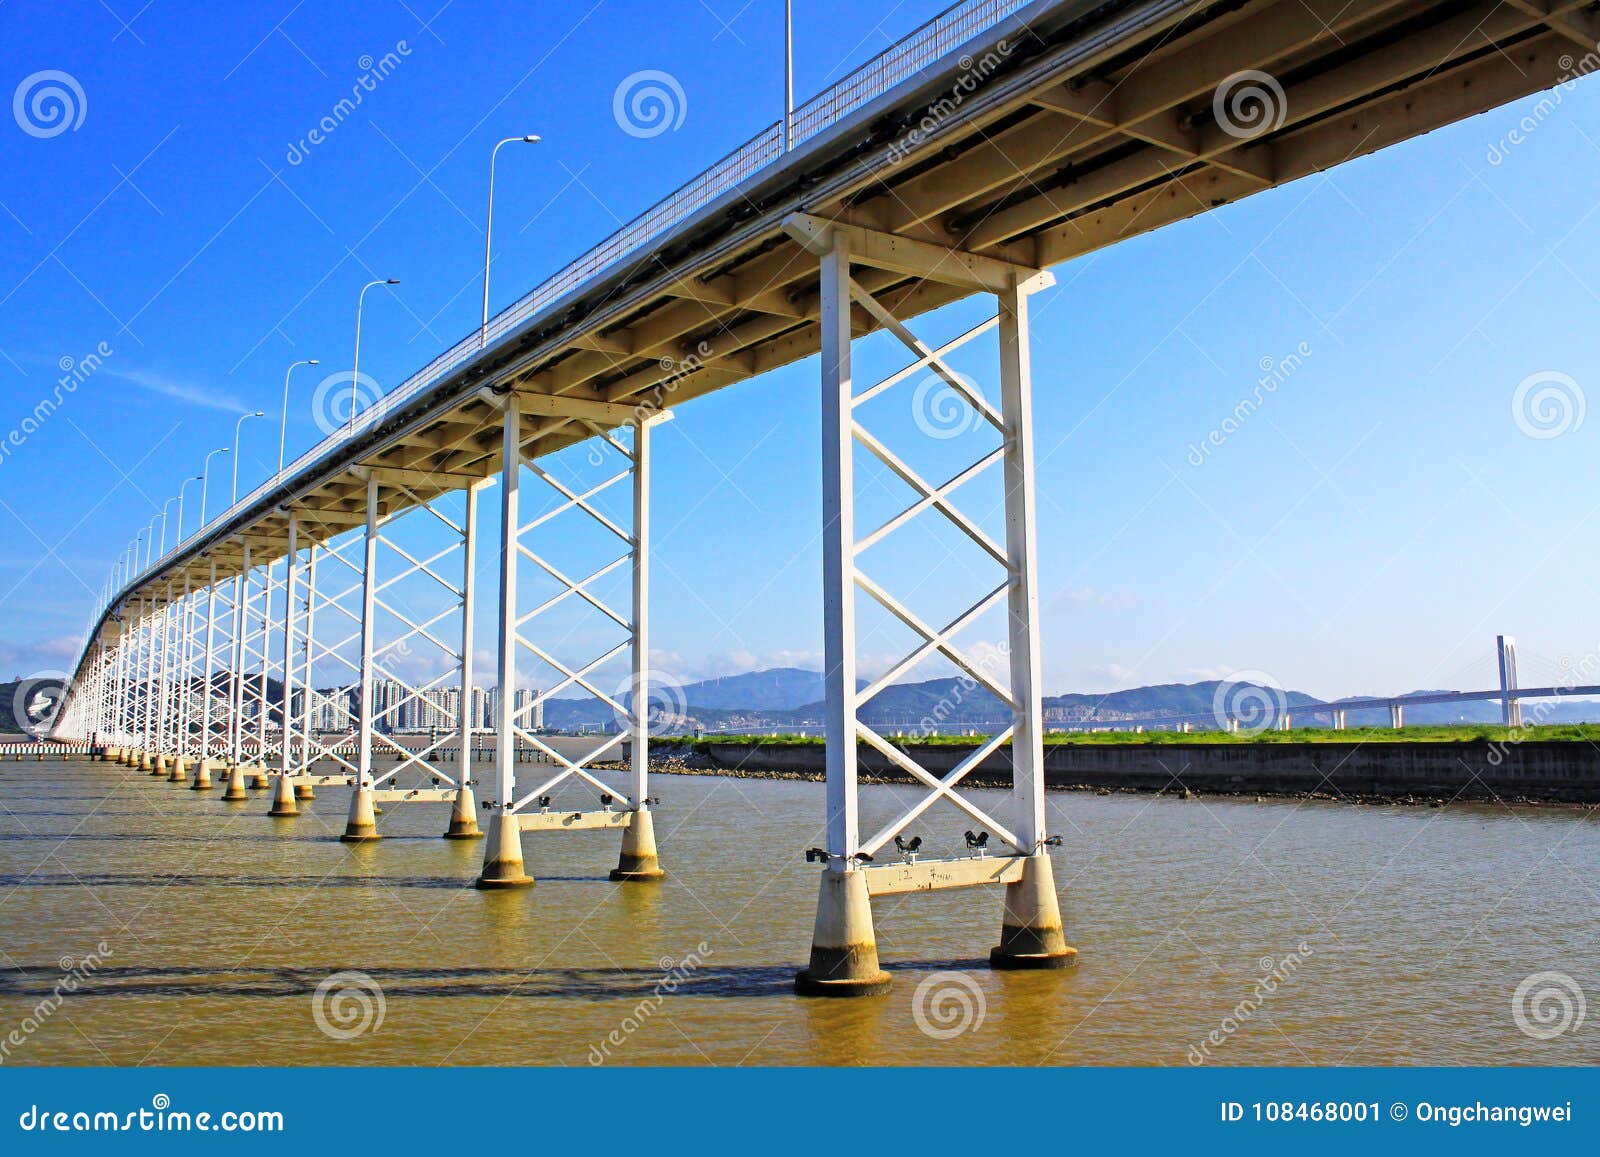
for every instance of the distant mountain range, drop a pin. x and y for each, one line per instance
(788, 697)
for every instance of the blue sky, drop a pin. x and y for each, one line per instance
(1369, 528)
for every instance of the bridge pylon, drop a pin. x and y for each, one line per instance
(844, 955)
(527, 420)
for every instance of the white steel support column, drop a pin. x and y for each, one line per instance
(361, 826)
(844, 947)
(1030, 933)
(236, 664)
(639, 861)
(308, 696)
(202, 771)
(291, 576)
(502, 855)
(232, 737)
(464, 811)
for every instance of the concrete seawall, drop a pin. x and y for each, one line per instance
(1564, 772)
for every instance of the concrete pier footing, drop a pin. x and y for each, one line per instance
(180, 769)
(147, 763)
(235, 792)
(844, 949)
(502, 855)
(1030, 932)
(202, 776)
(464, 817)
(639, 861)
(283, 805)
(257, 776)
(362, 824)
(303, 789)
(162, 766)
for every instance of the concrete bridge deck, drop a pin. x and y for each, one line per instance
(1054, 131)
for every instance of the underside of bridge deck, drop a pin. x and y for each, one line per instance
(1053, 142)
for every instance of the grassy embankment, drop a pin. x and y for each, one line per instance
(1448, 733)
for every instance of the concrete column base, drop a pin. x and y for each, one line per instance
(162, 766)
(1030, 934)
(202, 776)
(502, 855)
(257, 776)
(464, 817)
(362, 825)
(844, 950)
(638, 860)
(235, 792)
(283, 805)
(302, 788)
(180, 769)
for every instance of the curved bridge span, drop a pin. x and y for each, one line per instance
(998, 141)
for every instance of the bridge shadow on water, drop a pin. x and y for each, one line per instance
(201, 880)
(588, 984)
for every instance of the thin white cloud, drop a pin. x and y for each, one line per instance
(206, 397)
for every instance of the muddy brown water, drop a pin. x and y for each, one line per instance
(178, 929)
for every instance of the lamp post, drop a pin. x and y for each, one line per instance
(788, 74)
(283, 421)
(164, 510)
(205, 478)
(237, 429)
(355, 366)
(488, 232)
(178, 541)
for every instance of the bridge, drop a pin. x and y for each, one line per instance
(999, 140)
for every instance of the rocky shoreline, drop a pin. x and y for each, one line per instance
(666, 759)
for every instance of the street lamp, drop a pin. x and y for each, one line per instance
(164, 510)
(355, 367)
(788, 75)
(283, 422)
(205, 478)
(488, 232)
(237, 427)
(178, 541)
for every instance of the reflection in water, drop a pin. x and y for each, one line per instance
(222, 924)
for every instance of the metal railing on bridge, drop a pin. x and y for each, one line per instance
(904, 60)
